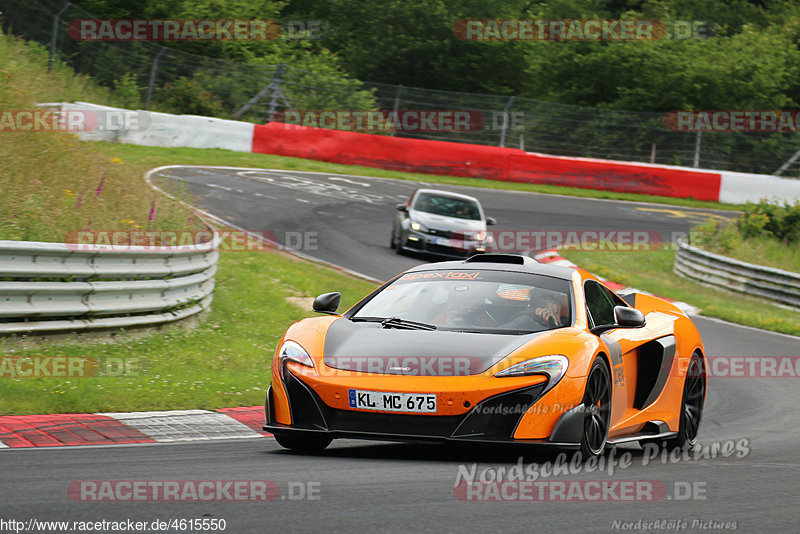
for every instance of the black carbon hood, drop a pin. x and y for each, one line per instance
(370, 348)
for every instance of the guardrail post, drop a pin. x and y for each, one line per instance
(153, 70)
(505, 122)
(397, 104)
(54, 37)
(697, 150)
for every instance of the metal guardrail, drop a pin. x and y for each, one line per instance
(51, 287)
(778, 286)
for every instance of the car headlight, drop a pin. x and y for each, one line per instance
(294, 352)
(554, 366)
(418, 227)
(480, 236)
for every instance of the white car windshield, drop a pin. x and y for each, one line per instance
(460, 208)
(474, 301)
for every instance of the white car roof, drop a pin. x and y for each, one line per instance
(446, 194)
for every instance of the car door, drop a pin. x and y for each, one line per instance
(621, 345)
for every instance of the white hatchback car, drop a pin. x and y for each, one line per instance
(441, 223)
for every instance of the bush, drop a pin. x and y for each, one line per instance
(186, 96)
(767, 219)
(713, 235)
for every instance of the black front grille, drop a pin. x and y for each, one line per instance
(392, 423)
(497, 417)
(305, 406)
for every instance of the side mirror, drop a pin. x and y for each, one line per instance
(491, 221)
(327, 303)
(628, 317)
(625, 317)
(401, 207)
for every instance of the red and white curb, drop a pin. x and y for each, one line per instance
(57, 430)
(554, 258)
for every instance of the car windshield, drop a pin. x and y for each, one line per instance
(497, 302)
(460, 208)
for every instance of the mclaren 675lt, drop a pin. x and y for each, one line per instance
(494, 348)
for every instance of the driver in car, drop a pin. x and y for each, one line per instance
(466, 307)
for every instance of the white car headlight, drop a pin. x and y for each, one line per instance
(554, 366)
(418, 227)
(294, 352)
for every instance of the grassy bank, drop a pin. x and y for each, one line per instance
(652, 271)
(52, 183)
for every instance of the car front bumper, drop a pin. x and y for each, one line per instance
(442, 246)
(492, 420)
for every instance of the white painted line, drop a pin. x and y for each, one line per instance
(303, 200)
(218, 220)
(185, 425)
(117, 445)
(338, 179)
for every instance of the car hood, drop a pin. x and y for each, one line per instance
(452, 224)
(370, 348)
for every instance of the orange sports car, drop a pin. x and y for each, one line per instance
(495, 348)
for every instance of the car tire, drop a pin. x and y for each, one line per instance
(692, 401)
(303, 442)
(597, 403)
(396, 243)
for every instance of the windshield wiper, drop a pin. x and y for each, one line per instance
(368, 319)
(396, 322)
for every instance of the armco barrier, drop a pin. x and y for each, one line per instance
(775, 285)
(445, 158)
(166, 130)
(51, 287)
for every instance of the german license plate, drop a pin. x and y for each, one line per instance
(442, 241)
(393, 402)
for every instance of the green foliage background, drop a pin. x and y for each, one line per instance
(750, 60)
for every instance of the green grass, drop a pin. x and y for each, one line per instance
(149, 157)
(652, 271)
(223, 361)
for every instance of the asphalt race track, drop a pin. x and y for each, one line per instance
(750, 430)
